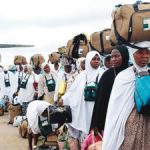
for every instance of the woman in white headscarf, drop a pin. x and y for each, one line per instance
(35, 110)
(26, 91)
(125, 128)
(46, 84)
(82, 109)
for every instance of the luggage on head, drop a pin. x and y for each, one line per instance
(36, 60)
(78, 46)
(131, 23)
(19, 59)
(54, 57)
(100, 41)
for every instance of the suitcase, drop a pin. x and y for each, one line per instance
(131, 23)
(19, 59)
(100, 41)
(36, 60)
(23, 128)
(1, 111)
(54, 57)
(59, 114)
(77, 47)
(13, 111)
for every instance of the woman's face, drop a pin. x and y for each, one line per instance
(25, 69)
(83, 64)
(142, 57)
(116, 58)
(46, 68)
(95, 62)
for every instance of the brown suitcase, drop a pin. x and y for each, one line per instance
(13, 111)
(1, 111)
(82, 48)
(131, 22)
(101, 41)
(54, 57)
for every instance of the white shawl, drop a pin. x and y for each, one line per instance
(81, 110)
(34, 110)
(120, 106)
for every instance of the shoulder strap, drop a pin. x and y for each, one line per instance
(97, 78)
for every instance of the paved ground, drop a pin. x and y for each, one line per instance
(9, 136)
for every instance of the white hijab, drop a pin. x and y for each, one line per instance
(120, 106)
(145, 44)
(78, 63)
(82, 110)
(48, 75)
(34, 110)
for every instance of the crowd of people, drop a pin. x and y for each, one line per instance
(99, 90)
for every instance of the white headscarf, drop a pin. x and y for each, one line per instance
(34, 110)
(90, 71)
(46, 74)
(145, 44)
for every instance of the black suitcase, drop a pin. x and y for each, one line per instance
(59, 114)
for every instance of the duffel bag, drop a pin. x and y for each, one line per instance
(19, 59)
(36, 60)
(13, 111)
(77, 47)
(23, 128)
(59, 114)
(131, 23)
(101, 41)
(54, 57)
(1, 111)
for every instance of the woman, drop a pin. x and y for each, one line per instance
(125, 128)
(81, 108)
(66, 75)
(34, 111)
(119, 59)
(46, 84)
(26, 92)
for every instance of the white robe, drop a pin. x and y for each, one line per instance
(81, 109)
(26, 95)
(9, 91)
(120, 106)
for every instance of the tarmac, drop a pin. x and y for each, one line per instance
(9, 136)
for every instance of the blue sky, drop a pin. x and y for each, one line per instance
(49, 24)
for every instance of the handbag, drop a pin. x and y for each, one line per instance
(50, 84)
(24, 82)
(90, 90)
(93, 141)
(142, 93)
(62, 87)
(44, 126)
(59, 114)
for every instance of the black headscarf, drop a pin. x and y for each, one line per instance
(104, 90)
